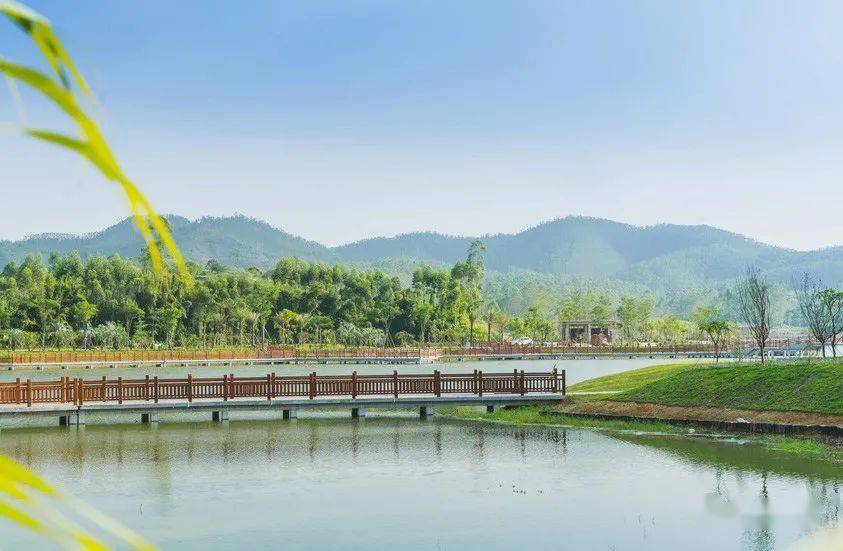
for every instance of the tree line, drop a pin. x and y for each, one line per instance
(822, 310)
(118, 302)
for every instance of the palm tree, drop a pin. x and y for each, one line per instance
(62, 334)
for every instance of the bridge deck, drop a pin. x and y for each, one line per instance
(286, 403)
(71, 398)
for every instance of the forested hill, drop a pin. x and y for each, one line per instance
(662, 256)
(235, 241)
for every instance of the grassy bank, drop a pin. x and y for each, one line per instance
(627, 380)
(814, 386)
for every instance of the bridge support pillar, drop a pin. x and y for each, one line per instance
(358, 412)
(219, 415)
(291, 413)
(426, 412)
(72, 419)
(490, 408)
(149, 417)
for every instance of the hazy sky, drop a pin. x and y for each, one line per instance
(347, 119)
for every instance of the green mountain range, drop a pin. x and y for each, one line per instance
(663, 257)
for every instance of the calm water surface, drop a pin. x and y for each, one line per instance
(399, 482)
(391, 480)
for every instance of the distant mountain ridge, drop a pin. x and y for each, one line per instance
(664, 256)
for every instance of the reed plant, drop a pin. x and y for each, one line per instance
(25, 498)
(65, 88)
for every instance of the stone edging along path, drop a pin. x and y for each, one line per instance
(754, 421)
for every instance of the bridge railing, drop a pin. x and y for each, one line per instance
(78, 391)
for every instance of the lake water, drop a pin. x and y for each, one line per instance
(399, 482)
(390, 480)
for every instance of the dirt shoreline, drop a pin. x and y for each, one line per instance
(781, 422)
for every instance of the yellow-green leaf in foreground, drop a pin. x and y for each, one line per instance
(26, 499)
(29, 501)
(90, 143)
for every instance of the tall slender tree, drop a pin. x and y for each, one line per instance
(832, 301)
(470, 274)
(813, 310)
(755, 307)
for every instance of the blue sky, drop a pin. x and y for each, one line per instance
(343, 120)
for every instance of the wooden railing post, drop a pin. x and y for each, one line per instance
(73, 389)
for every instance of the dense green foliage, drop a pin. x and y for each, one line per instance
(679, 266)
(814, 386)
(115, 302)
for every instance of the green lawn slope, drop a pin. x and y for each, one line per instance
(627, 380)
(810, 386)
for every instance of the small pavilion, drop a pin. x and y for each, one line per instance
(589, 332)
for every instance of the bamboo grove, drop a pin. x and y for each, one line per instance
(118, 302)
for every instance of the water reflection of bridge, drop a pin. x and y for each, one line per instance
(71, 398)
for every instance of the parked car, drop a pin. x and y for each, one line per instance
(523, 341)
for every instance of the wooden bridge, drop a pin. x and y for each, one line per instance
(69, 398)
